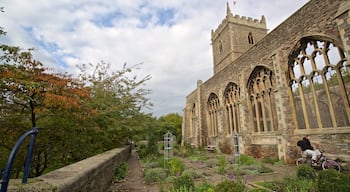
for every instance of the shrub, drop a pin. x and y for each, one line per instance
(230, 186)
(246, 160)
(184, 182)
(306, 172)
(154, 175)
(222, 164)
(270, 160)
(232, 169)
(332, 180)
(204, 187)
(176, 166)
(210, 163)
(300, 184)
(120, 172)
(195, 174)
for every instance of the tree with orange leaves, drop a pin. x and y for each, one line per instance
(27, 86)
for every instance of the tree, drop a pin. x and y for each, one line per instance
(172, 122)
(29, 93)
(118, 101)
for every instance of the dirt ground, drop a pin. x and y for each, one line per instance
(134, 181)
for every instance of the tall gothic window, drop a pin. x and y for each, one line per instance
(213, 107)
(232, 98)
(193, 121)
(320, 85)
(262, 100)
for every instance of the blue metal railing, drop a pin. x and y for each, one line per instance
(7, 170)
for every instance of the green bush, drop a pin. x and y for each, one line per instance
(204, 187)
(120, 172)
(332, 180)
(230, 186)
(270, 160)
(195, 174)
(184, 182)
(176, 166)
(222, 164)
(306, 172)
(300, 184)
(210, 163)
(154, 175)
(246, 160)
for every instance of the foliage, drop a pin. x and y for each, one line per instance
(306, 172)
(120, 171)
(291, 185)
(96, 112)
(211, 163)
(300, 184)
(195, 174)
(270, 160)
(184, 182)
(205, 187)
(154, 175)
(246, 160)
(230, 186)
(222, 164)
(176, 166)
(171, 122)
(332, 180)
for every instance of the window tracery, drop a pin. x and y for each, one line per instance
(193, 121)
(262, 100)
(319, 81)
(232, 99)
(213, 107)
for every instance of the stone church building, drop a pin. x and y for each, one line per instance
(271, 89)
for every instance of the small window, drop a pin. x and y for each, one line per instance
(250, 38)
(220, 47)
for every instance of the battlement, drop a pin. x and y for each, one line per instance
(242, 20)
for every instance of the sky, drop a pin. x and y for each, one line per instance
(171, 38)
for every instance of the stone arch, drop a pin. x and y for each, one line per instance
(213, 105)
(193, 120)
(231, 105)
(319, 79)
(262, 99)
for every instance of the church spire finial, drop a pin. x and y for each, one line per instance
(228, 10)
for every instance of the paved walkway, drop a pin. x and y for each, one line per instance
(134, 181)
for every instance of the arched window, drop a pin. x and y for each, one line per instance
(232, 98)
(320, 84)
(250, 38)
(193, 121)
(213, 107)
(262, 100)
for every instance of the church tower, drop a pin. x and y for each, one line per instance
(234, 36)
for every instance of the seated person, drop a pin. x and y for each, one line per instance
(308, 149)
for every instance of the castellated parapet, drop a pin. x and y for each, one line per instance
(242, 20)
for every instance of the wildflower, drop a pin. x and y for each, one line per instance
(231, 176)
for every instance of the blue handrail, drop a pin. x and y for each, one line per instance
(7, 171)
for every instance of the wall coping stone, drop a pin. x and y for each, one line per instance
(76, 177)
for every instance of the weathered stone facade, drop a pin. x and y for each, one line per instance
(272, 89)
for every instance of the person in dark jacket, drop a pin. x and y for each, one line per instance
(308, 149)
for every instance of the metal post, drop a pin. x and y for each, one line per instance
(236, 147)
(168, 148)
(7, 171)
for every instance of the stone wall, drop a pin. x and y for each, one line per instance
(320, 19)
(92, 174)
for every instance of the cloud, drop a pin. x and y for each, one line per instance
(170, 38)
